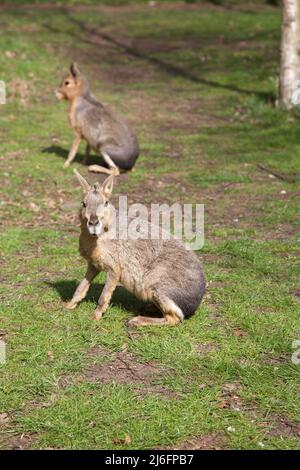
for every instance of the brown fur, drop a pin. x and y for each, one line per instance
(159, 271)
(105, 132)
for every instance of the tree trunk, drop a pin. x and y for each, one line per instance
(289, 82)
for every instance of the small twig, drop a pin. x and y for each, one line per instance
(133, 372)
(279, 175)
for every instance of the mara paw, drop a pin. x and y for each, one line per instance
(140, 320)
(97, 315)
(70, 305)
(94, 168)
(135, 321)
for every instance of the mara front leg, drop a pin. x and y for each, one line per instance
(112, 280)
(73, 151)
(83, 287)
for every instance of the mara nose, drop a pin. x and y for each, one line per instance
(59, 95)
(93, 221)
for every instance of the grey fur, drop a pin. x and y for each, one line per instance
(159, 271)
(105, 131)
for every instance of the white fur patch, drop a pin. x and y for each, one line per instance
(179, 312)
(174, 308)
(59, 95)
(95, 229)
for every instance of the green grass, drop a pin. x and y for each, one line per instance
(199, 95)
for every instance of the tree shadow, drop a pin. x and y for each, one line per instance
(91, 36)
(95, 38)
(121, 297)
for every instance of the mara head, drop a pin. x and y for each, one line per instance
(96, 212)
(72, 85)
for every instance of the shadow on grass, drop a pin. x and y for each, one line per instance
(95, 38)
(63, 153)
(121, 297)
(56, 150)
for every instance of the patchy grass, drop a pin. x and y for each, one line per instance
(199, 94)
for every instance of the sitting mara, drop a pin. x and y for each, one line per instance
(105, 132)
(159, 271)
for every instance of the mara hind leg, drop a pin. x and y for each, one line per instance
(112, 170)
(172, 314)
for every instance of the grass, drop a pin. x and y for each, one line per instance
(199, 95)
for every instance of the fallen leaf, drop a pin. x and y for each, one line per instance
(223, 404)
(4, 418)
(50, 355)
(230, 387)
(127, 441)
(34, 207)
(10, 54)
(240, 333)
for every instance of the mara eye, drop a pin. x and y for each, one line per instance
(67, 82)
(106, 203)
(83, 204)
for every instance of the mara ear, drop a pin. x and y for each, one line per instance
(75, 72)
(107, 186)
(83, 182)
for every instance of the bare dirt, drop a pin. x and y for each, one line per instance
(124, 368)
(19, 442)
(281, 427)
(214, 441)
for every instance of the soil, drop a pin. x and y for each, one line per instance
(214, 441)
(124, 368)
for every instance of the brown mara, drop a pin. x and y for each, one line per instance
(105, 132)
(162, 272)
